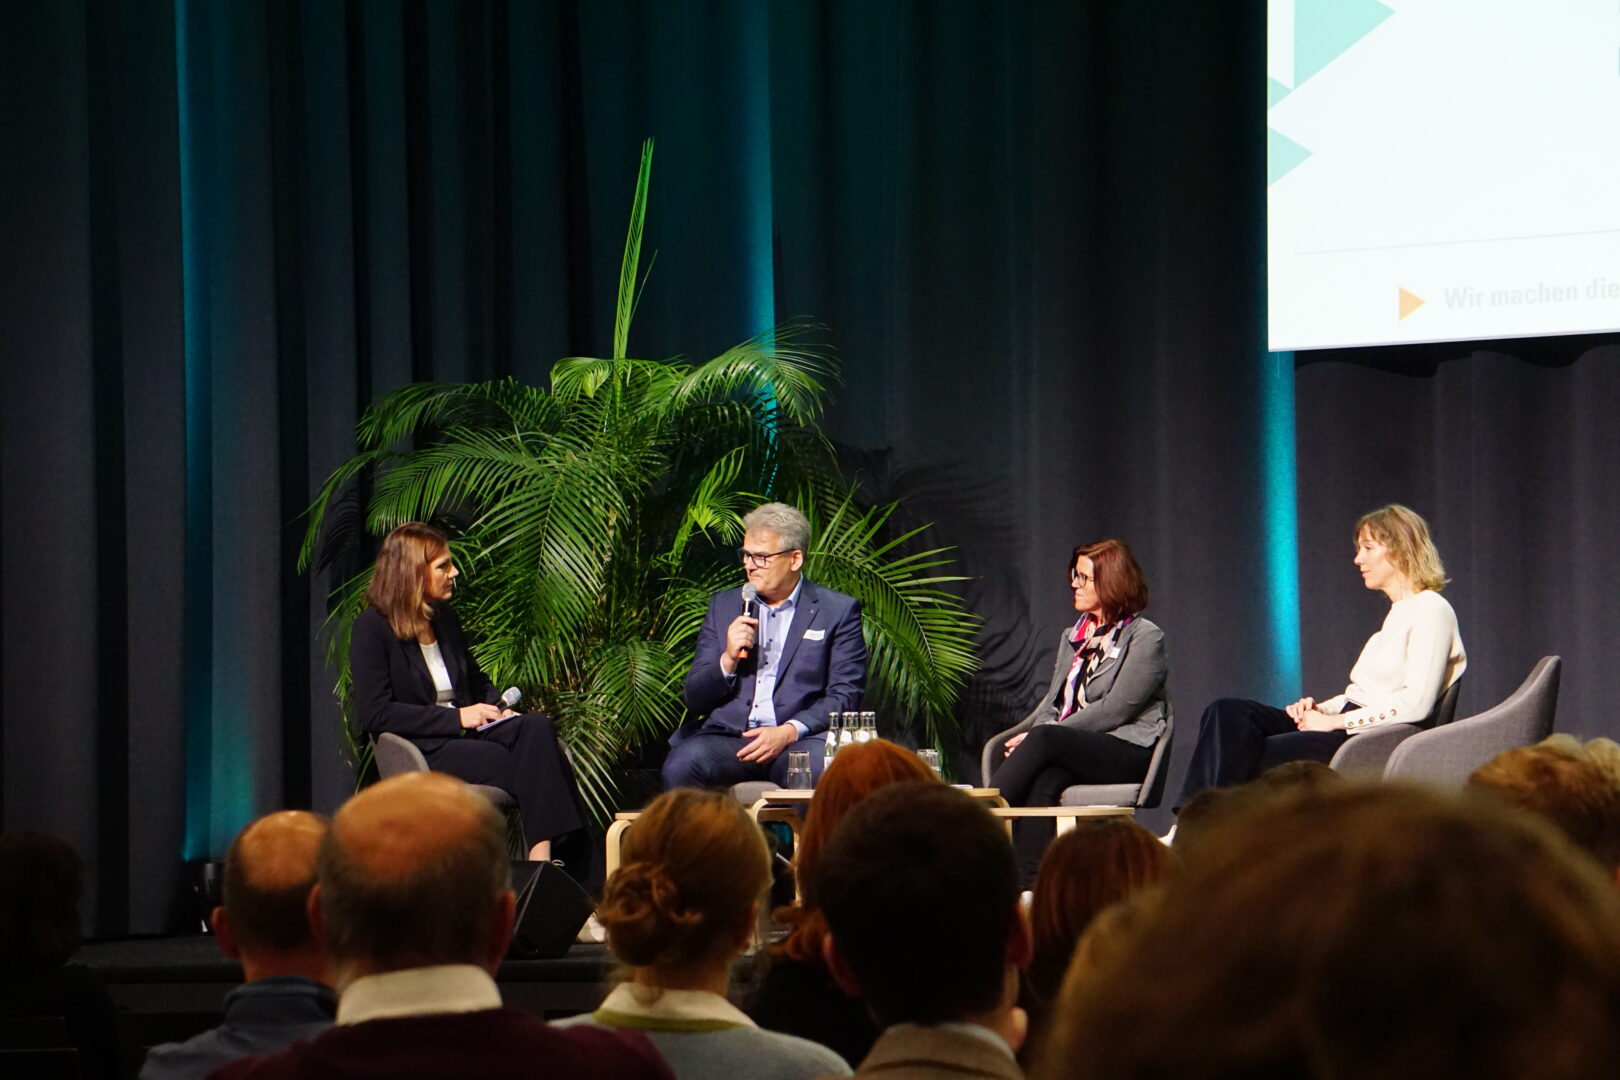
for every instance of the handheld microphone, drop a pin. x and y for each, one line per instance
(750, 599)
(508, 700)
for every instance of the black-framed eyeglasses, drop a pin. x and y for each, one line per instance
(1079, 580)
(759, 560)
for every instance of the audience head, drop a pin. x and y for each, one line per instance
(413, 873)
(1212, 805)
(269, 872)
(919, 887)
(1096, 864)
(686, 896)
(856, 772)
(399, 580)
(1405, 535)
(1122, 588)
(41, 883)
(1297, 777)
(1107, 935)
(1575, 787)
(1375, 931)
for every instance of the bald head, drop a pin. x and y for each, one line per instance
(413, 873)
(269, 871)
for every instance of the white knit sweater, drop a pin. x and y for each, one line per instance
(1405, 667)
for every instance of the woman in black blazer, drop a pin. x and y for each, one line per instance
(414, 676)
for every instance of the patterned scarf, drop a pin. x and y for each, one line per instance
(1093, 640)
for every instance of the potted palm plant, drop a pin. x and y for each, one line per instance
(594, 517)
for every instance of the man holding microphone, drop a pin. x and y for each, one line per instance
(774, 657)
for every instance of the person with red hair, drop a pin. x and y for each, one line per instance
(1097, 864)
(1106, 704)
(798, 995)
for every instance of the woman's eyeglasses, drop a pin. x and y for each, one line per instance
(1079, 580)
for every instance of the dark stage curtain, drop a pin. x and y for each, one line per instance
(1034, 231)
(1510, 451)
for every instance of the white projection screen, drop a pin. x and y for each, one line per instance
(1442, 170)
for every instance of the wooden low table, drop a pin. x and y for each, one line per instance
(1066, 816)
(794, 798)
(786, 805)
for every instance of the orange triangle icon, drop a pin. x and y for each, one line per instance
(1410, 302)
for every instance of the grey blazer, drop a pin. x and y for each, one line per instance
(910, 1052)
(1126, 692)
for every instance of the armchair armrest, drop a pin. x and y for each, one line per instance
(396, 754)
(1367, 753)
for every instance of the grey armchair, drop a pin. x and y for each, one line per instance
(1147, 794)
(1448, 755)
(1368, 753)
(396, 754)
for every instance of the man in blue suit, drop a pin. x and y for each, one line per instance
(763, 684)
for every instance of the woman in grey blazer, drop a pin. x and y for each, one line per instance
(1105, 706)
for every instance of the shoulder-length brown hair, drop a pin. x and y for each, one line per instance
(1121, 585)
(398, 580)
(1084, 871)
(1411, 548)
(855, 773)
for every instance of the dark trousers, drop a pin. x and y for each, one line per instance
(523, 759)
(709, 759)
(1240, 739)
(1051, 758)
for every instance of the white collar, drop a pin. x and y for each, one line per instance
(792, 600)
(633, 999)
(446, 988)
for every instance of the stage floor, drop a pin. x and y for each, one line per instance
(188, 975)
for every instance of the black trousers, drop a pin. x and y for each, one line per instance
(1051, 758)
(522, 758)
(1239, 739)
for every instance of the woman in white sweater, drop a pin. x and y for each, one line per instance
(1402, 672)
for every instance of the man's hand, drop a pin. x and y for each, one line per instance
(1012, 744)
(1312, 720)
(739, 636)
(762, 744)
(1299, 708)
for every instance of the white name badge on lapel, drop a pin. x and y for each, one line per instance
(1113, 654)
(814, 635)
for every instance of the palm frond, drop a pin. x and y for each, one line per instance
(776, 365)
(624, 311)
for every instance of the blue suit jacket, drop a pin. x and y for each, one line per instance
(823, 666)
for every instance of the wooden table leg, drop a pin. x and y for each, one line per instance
(615, 839)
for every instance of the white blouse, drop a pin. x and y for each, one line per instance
(440, 673)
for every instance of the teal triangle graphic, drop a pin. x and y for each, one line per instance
(1282, 155)
(1275, 91)
(1324, 29)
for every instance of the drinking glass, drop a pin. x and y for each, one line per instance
(798, 770)
(930, 758)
